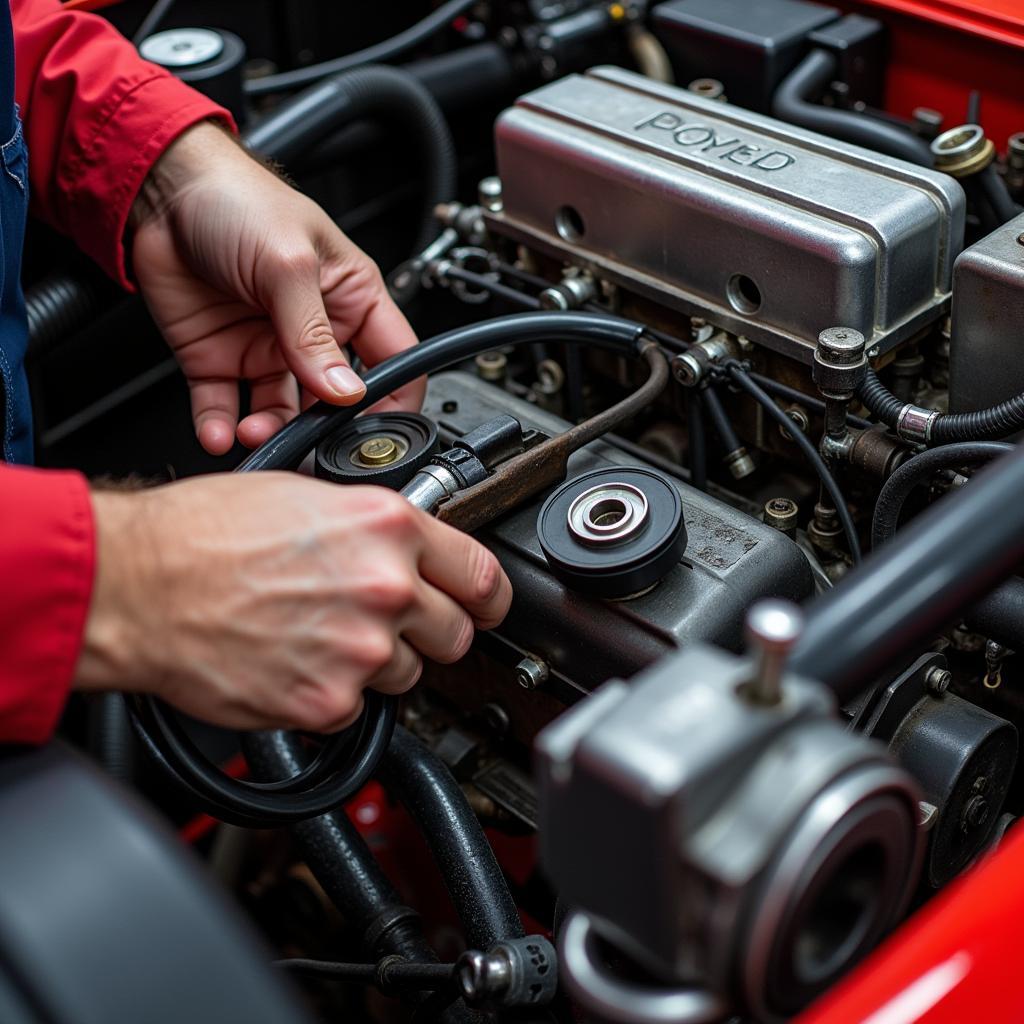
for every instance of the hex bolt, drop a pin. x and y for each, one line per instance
(771, 628)
(491, 366)
(531, 673)
(781, 514)
(937, 680)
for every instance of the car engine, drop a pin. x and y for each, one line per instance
(720, 303)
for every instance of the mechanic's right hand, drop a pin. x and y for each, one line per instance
(272, 600)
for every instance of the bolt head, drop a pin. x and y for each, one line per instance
(531, 673)
(687, 370)
(841, 346)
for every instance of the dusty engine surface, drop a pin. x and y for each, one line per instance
(719, 304)
(730, 560)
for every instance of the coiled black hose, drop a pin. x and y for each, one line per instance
(919, 470)
(342, 768)
(377, 93)
(793, 102)
(947, 427)
(387, 50)
(347, 761)
(287, 448)
(429, 792)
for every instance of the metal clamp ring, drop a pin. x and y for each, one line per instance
(607, 513)
(613, 1000)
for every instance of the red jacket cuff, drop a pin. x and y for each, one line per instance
(47, 561)
(143, 118)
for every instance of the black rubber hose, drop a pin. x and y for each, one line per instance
(434, 799)
(948, 427)
(346, 869)
(720, 421)
(386, 975)
(741, 378)
(794, 102)
(287, 448)
(341, 861)
(1000, 615)
(110, 737)
(995, 193)
(61, 304)
(473, 77)
(919, 470)
(941, 564)
(387, 50)
(696, 440)
(343, 772)
(376, 93)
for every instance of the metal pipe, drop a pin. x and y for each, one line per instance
(942, 563)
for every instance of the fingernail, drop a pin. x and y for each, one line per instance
(345, 381)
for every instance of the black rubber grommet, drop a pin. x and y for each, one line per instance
(337, 458)
(626, 567)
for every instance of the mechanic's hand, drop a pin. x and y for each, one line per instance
(272, 600)
(248, 279)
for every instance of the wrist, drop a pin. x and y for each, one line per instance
(180, 166)
(116, 642)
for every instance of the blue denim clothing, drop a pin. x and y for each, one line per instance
(15, 409)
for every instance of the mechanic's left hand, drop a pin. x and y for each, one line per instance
(250, 280)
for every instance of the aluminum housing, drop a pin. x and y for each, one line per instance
(988, 303)
(769, 231)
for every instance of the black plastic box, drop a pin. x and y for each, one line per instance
(748, 45)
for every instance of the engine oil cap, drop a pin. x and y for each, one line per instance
(614, 532)
(387, 449)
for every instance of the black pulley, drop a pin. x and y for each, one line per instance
(210, 60)
(384, 449)
(613, 532)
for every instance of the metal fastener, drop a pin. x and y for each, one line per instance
(781, 514)
(937, 680)
(532, 673)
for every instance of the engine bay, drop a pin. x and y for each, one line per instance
(719, 302)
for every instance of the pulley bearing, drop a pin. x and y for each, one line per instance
(385, 449)
(613, 532)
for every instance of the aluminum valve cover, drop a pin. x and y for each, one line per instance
(769, 231)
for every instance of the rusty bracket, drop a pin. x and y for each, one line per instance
(525, 476)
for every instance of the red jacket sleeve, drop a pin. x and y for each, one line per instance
(47, 556)
(96, 117)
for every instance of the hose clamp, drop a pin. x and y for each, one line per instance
(915, 424)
